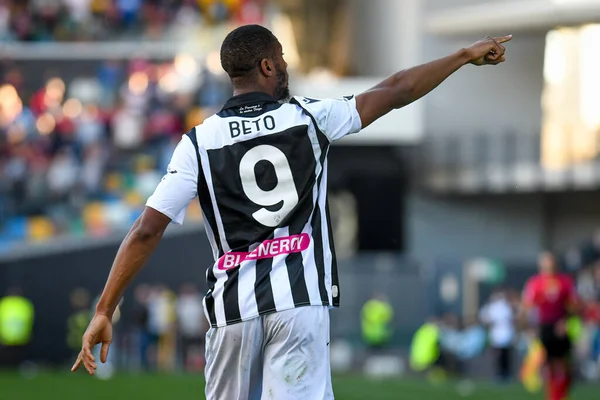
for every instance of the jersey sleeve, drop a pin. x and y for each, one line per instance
(179, 186)
(336, 118)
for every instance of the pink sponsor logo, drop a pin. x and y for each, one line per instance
(267, 249)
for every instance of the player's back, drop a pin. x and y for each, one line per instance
(552, 295)
(262, 187)
(261, 169)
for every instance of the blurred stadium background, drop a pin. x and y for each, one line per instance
(435, 207)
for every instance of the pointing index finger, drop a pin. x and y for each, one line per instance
(76, 365)
(503, 39)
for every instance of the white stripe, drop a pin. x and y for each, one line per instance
(316, 146)
(211, 237)
(206, 311)
(280, 280)
(211, 190)
(311, 275)
(325, 233)
(220, 276)
(217, 295)
(310, 271)
(246, 295)
(209, 232)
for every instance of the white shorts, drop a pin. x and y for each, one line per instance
(279, 356)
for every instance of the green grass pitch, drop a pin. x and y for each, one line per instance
(66, 386)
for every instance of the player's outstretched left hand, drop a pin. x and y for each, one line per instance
(98, 331)
(488, 51)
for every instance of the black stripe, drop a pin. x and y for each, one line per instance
(319, 259)
(295, 267)
(211, 280)
(334, 271)
(230, 296)
(204, 195)
(262, 286)
(208, 213)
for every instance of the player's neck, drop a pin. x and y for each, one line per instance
(238, 91)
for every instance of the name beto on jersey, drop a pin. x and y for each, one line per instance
(246, 127)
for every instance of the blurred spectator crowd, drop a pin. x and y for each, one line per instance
(81, 152)
(93, 20)
(80, 155)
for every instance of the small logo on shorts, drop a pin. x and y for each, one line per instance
(334, 291)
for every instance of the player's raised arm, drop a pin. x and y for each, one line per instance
(409, 85)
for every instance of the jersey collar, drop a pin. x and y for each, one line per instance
(249, 98)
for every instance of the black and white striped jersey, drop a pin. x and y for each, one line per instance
(259, 169)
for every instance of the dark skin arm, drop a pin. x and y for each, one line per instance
(409, 85)
(138, 245)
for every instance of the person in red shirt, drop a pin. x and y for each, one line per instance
(553, 296)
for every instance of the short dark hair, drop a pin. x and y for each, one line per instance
(244, 48)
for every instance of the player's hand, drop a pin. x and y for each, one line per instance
(488, 51)
(98, 331)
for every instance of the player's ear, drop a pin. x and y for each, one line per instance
(267, 68)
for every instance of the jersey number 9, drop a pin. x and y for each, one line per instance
(284, 192)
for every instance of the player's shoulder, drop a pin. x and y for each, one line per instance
(309, 103)
(533, 281)
(202, 132)
(321, 107)
(191, 136)
(208, 123)
(315, 102)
